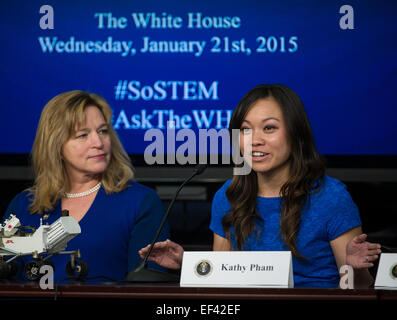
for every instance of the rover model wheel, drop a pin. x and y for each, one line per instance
(32, 270)
(80, 269)
(4, 270)
(13, 268)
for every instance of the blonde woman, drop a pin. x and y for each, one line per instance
(81, 166)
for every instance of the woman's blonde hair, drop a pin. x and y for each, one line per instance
(57, 124)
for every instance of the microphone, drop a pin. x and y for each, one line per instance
(141, 273)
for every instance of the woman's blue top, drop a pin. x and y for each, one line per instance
(329, 213)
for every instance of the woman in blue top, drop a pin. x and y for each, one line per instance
(81, 166)
(286, 202)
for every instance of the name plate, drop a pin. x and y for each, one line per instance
(386, 276)
(270, 269)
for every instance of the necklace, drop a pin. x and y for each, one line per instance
(83, 194)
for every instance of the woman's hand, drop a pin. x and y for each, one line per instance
(167, 254)
(360, 253)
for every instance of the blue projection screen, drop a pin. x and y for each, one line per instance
(192, 61)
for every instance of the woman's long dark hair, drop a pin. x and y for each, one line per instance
(306, 168)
